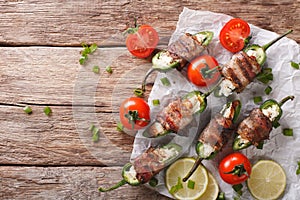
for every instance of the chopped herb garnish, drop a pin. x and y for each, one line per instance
(96, 69)
(298, 169)
(95, 132)
(153, 182)
(268, 90)
(47, 110)
(276, 124)
(156, 102)
(257, 99)
(86, 51)
(295, 65)
(191, 184)
(238, 189)
(27, 110)
(165, 81)
(260, 145)
(221, 196)
(109, 69)
(288, 132)
(120, 126)
(138, 92)
(265, 76)
(176, 187)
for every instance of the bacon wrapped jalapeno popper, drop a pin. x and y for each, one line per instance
(183, 50)
(178, 114)
(216, 134)
(256, 128)
(147, 165)
(243, 67)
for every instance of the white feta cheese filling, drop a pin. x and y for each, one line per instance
(164, 60)
(226, 112)
(166, 154)
(226, 87)
(243, 140)
(131, 174)
(207, 150)
(251, 53)
(271, 112)
(196, 103)
(200, 37)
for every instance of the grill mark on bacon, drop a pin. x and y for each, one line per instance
(256, 127)
(250, 71)
(243, 66)
(234, 77)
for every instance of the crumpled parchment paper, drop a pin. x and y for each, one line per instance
(282, 149)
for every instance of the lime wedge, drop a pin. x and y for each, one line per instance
(267, 180)
(177, 171)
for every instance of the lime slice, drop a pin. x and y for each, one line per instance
(177, 171)
(212, 190)
(267, 180)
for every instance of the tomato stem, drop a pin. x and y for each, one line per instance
(266, 46)
(133, 116)
(214, 88)
(238, 170)
(207, 73)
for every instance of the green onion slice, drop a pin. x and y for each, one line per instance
(288, 132)
(165, 81)
(27, 110)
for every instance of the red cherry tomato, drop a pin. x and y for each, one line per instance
(134, 113)
(196, 71)
(235, 168)
(142, 41)
(233, 35)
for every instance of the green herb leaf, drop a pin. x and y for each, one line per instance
(120, 126)
(93, 48)
(165, 81)
(155, 102)
(238, 189)
(268, 90)
(257, 99)
(95, 132)
(221, 196)
(191, 184)
(47, 110)
(298, 169)
(265, 76)
(295, 65)
(27, 110)
(96, 69)
(86, 50)
(138, 92)
(109, 69)
(276, 124)
(288, 132)
(83, 59)
(176, 187)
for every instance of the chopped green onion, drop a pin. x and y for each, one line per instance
(191, 184)
(120, 126)
(176, 187)
(265, 76)
(295, 65)
(95, 132)
(27, 110)
(238, 189)
(165, 81)
(257, 99)
(109, 69)
(83, 59)
(153, 182)
(288, 132)
(268, 90)
(47, 110)
(93, 48)
(156, 102)
(138, 92)
(221, 196)
(298, 169)
(96, 69)
(86, 50)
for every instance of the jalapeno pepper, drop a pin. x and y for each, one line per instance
(167, 122)
(220, 128)
(131, 175)
(272, 110)
(260, 51)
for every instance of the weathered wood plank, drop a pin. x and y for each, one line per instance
(60, 139)
(67, 183)
(57, 23)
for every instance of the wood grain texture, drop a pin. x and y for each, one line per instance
(68, 23)
(67, 183)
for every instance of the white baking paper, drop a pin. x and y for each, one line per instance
(282, 149)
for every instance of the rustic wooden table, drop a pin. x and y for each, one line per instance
(53, 157)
